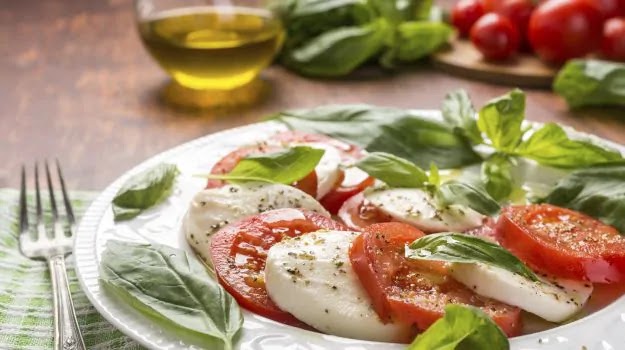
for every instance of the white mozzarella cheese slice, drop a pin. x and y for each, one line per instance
(554, 301)
(418, 208)
(214, 208)
(312, 278)
(329, 168)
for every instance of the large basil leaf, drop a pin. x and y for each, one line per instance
(283, 167)
(460, 248)
(462, 328)
(501, 119)
(454, 192)
(496, 174)
(458, 111)
(172, 289)
(550, 145)
(598, 191)
(143, 191)
(418, 39)
(403, 133)
(339, 51)
(394, 171)
(591, 83)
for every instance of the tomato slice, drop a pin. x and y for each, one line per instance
(356, 213)
(415, 291)
(334, 200)
(239, 252)
(563, 242)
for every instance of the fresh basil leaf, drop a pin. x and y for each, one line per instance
(460, 248)
(462, 327)
(591, 83)
(434, 178)
(283, 167)
(551, 146)
(501, 119)
(339, 51)
(454, 192)
(403, 133)
(172, 289)
(598, 191)
(392, 170)
(458, 111)
(395, 11)
(418, 39)
(496, 174)
(143, 191)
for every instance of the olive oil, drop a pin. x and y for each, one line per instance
(218, 48)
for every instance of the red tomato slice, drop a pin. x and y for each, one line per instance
(333, 200)
(239, 253)
(415, 291)
(563, 242)
(357, 214)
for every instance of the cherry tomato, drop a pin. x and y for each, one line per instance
(414, 291)
(465, 13)
(519, 13)
(495, 37)
(239, 253)
(563, 242)
(611, 8)
(613, 42)
(563, 29)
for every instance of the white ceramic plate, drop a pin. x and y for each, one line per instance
(603, 330)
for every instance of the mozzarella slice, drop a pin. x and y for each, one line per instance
(554, 301)
(311, 277)
(214, 208)
(329, 168)
(418, 208)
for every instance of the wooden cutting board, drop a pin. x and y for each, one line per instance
(463, 59)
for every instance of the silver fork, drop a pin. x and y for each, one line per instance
(53, 247)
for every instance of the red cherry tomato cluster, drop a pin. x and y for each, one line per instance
(555, 30)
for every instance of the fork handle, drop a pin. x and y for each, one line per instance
(66, 331)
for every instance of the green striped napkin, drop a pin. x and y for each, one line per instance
(26, 319)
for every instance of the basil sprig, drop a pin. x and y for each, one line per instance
(173, 289)
(460, 248)
(143, 191)
(591, 83)
(496, 175)
(462, 327)
(284, 167)
(393, 170)
(598, 191)
(454, 192)
(458, 111)
(403, 133)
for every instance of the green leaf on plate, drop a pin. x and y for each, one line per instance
(392, 170)
(460, 248)
(598, 191)
(462, 328)
(143, 191)
(454, 192)
(403, 133)
(284, 167)
(173, 290)
(496, 174)
(501, 119)
(551, 146)
(458, 111)
(434, 178)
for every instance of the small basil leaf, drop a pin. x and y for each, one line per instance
(460, 248)
(454, 192)
(403, 133)
(172, 289)
(144, 190)
(434, 178)
(283, 167)
(394, 171)
(395, 11)
(462, 328)
(501, 120)
(339, 51)
(496, 174)
(551, 146)
(416, 40)
(598, 191)
(458, 111)
(591, 83)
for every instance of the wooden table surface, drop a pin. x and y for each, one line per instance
(75, 83)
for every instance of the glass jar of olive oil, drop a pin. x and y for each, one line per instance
(210, 44)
